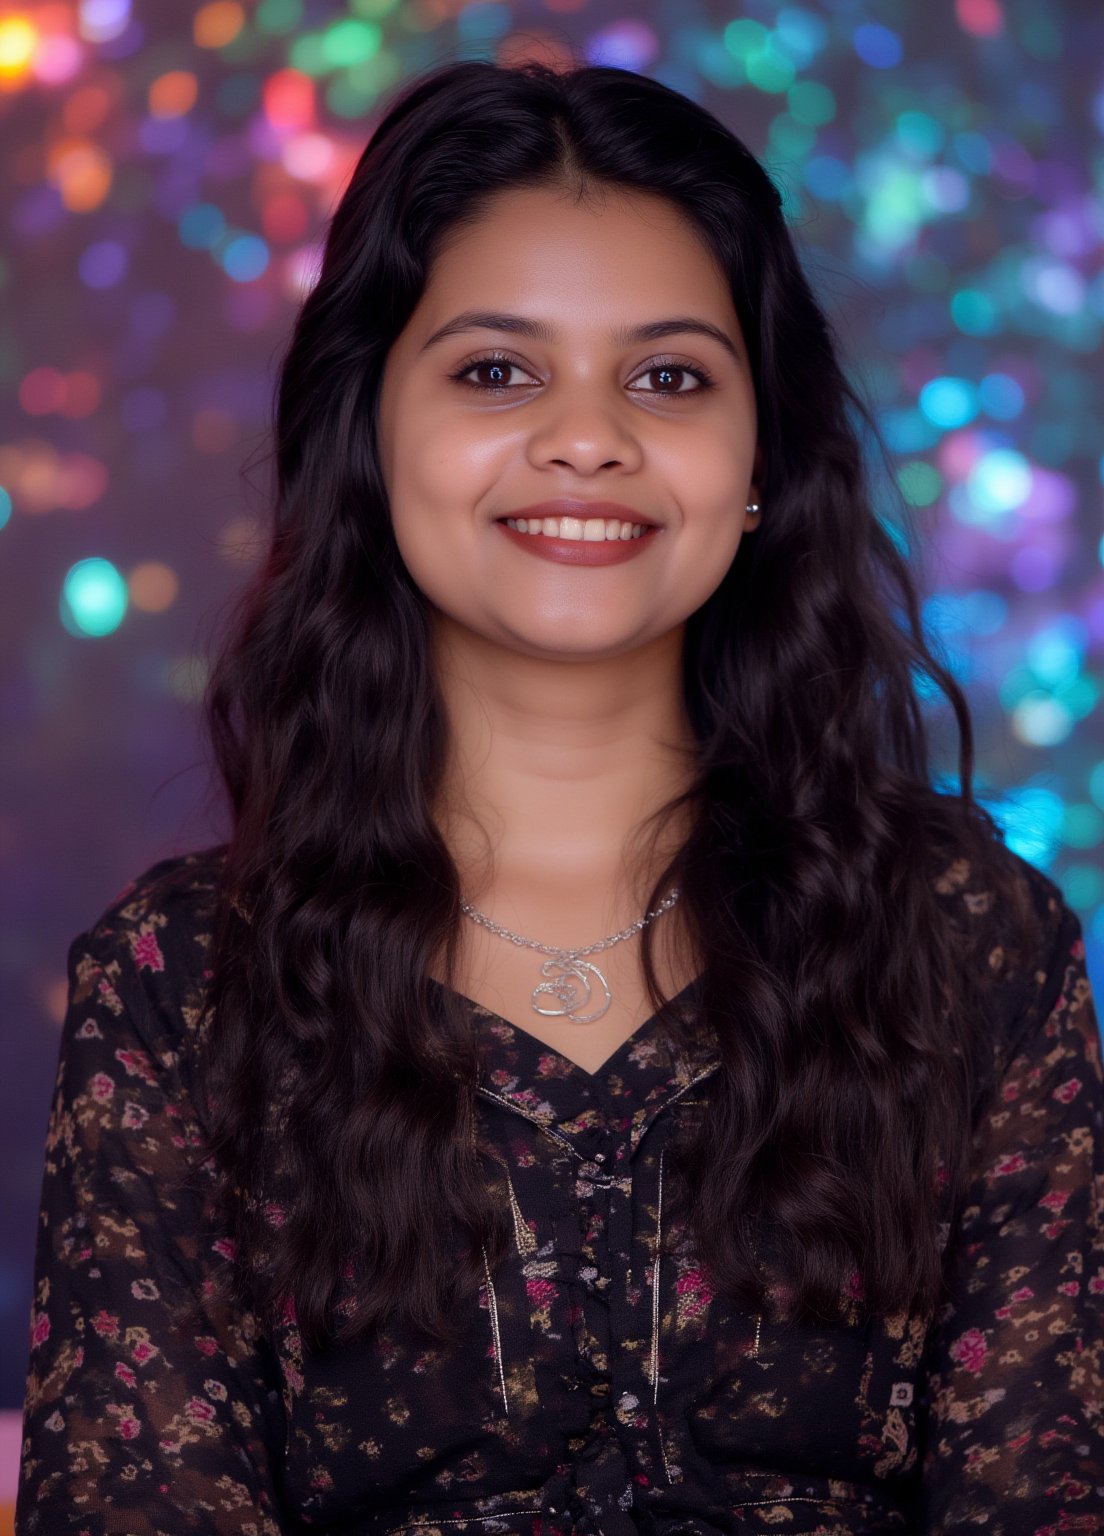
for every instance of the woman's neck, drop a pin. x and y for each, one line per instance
(554, 765)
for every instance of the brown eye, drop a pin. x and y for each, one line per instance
(672, 379)
(495, 372)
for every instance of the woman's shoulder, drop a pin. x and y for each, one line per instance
(149, 945)
(1017, 929)
(173, 897)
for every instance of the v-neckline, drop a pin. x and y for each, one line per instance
(534, 1043)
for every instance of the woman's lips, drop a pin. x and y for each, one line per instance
(580, 551)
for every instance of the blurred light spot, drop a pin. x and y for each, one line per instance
(877, 45)
(153, 586)
(174, 93)
(628, 44)
(985, 612)
(1080, 695)
(826, 177)
(349, 42)
(308, 157)
(85, 109)
(81, 172)
(200, 226)
(82, 394)
(768, 69)
(1055, 652)
(800, 35)
(974, 312)
(1053, 496)
(289, 100)
(1000, 480)
(811, 103)
(945, 188)
(1082, 885)
(218, 23)
(57, 59)
(93, 598)
(1082, 826)
(245, 258)
(5, 507)
(920, 483)
(1041, 721)
(788, 139)
(1000, 396)
(745, 36)
(920, 133)
(983, 18)
(103, 264)
(103, 20)
(1056, 286)
(17, 46)
(1035, 568)
(41, 391)
(284, 218)
(948, 401)
(973, 152)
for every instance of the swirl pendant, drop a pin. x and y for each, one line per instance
(572, 986)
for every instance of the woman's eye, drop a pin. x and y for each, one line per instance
(496, 372)
(679, 373)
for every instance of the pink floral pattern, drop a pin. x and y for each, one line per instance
(603, 1386)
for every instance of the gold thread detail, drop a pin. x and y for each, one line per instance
(493, 1304)
(655, 1286)
(524, 1240)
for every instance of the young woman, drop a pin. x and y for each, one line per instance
(600, 1086)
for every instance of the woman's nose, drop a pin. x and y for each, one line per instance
(582, 426)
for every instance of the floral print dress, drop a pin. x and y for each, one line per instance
(602, 1389)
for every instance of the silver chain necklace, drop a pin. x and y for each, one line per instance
(572, 987)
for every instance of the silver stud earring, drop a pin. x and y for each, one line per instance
(753, 506)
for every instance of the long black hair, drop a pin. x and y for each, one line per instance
(339, 1081)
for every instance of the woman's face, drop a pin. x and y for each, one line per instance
(537, 302)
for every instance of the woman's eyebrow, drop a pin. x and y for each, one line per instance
(540, 330)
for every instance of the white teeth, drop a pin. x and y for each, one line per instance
(591, 530)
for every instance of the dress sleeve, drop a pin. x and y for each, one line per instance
(131, 1425)
(1013, 1437)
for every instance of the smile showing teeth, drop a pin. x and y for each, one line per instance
(591, 530)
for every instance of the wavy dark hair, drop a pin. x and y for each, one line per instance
(338, 1077)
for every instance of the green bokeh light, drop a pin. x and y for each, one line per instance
(811, 103)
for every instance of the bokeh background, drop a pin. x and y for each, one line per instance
(168, 169)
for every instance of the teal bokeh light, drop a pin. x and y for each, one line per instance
(93, 598)
(949, 402)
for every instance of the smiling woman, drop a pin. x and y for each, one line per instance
(768, 1199)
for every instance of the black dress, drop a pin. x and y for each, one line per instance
(601, 1386)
